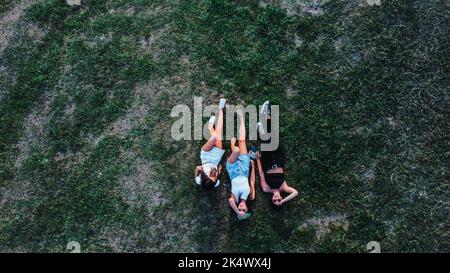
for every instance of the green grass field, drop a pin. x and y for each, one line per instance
(86, 152)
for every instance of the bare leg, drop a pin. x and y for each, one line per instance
(211, 128)
(219, 129)
(234, 151)
(242, 135)
(210, 143)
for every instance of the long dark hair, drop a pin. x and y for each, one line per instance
(206, 182)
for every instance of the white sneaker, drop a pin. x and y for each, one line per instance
(222, 103)
(265, 108)
(212, 120)
(260, 128)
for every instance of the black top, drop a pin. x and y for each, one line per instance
(274, 180)
(272, 160)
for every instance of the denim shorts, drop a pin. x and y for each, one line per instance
(241, 167)
(213, 156)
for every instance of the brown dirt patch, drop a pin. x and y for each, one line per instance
(325, 225)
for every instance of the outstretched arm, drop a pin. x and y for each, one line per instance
(264, 185)
(292, 193)
(252, 180)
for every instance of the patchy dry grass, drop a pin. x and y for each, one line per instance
(9, 21)
(326, 225)
(85, 147)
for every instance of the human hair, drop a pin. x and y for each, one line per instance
(206, 182)
(276, 207)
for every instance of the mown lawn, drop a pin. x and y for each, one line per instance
(85, 147)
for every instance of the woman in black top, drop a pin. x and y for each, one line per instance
(271, 168)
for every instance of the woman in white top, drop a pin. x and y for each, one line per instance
(238, 168)
(207, 174)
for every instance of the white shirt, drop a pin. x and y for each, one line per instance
(207, 167)
(240, 188)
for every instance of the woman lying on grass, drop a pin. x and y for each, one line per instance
(207, 174)
(271, 167)
(238, 168)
